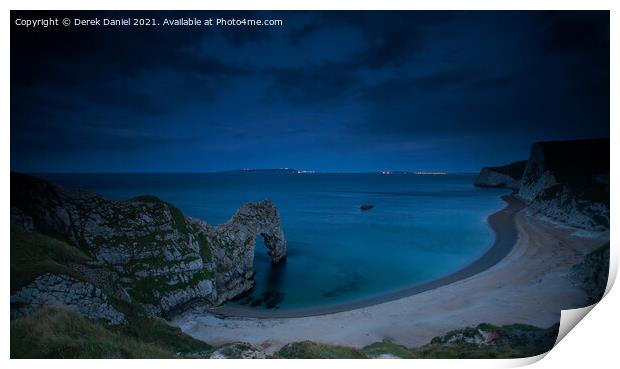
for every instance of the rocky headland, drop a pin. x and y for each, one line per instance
(566, 183)
(562, 181)
(142, 250)
(507, 176)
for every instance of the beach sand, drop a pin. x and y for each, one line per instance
(528, 285)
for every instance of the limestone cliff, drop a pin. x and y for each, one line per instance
(147, 250)
(568, 182)
(232, 246)
(507, 176)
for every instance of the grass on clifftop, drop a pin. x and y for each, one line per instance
(387, 347)
(58, 332)
(314, 350)
(155, 332)
(62, 333)
(511, 341)
(33, 254)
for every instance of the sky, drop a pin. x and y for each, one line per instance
(326, 91)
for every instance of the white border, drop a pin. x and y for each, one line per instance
(592, 344)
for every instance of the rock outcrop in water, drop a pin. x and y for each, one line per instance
(143, 249)
(507, 176)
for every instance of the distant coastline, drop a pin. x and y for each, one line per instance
(501, 222)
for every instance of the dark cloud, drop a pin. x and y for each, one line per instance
(461, 81)
(299, 34)
(325, 83)
(109, 66)
(392, 38)
(576, 32)
(329, 90)
(395, 46)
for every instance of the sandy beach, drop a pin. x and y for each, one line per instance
(521, 279)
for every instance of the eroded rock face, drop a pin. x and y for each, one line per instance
(157, 255)
(563, 181)
(103, 278)
(233, 246)
(507, 176)
(60, 289)
(568, 182)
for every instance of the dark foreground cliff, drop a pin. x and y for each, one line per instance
(568, 182)
(79, 249)
(485, 341)
(592, 273)
(59, 332)
(563, 181)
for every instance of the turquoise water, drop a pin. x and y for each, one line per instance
(421, 228)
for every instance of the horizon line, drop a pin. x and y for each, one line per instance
(304, 171)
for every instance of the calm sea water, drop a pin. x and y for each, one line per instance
(421, 228)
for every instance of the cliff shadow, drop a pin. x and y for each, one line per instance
(268, 281)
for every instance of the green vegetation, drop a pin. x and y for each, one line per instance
(509, 341)
(177, 216)
(468, 351)
(142, 289)
(390, 348)
(200, 275)
(511, 327)
(313, 350)
(57, 332)
(235, 350)
(205, 248)
(156, 332)
(179, 219)
(33, 254)
(62, 333)
(143, 242)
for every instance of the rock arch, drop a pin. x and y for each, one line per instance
(233, 245)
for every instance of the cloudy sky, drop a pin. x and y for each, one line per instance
(329, 91)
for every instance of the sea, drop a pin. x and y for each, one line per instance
(422, 227)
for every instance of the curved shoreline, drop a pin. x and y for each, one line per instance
(503, 224)
(528, 286)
